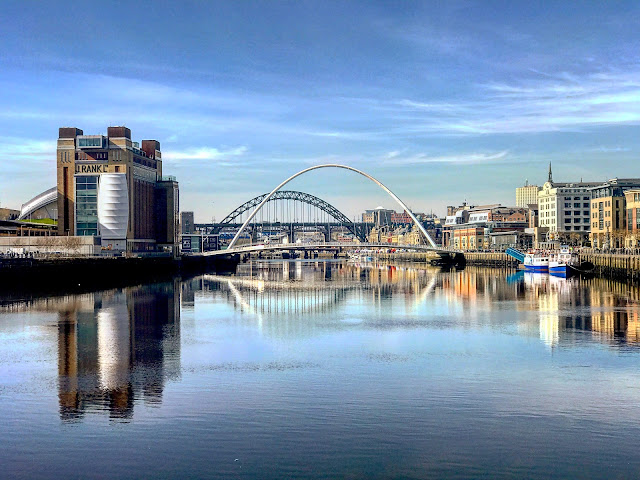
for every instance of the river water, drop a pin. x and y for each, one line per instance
(299, 369)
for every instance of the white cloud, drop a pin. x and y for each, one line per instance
(205, 153)
(468, 158)
(551, 103)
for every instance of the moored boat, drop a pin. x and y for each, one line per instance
(563, 262)
(536, 262)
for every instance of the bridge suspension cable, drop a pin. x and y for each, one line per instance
(331, 165)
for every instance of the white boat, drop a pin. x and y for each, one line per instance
(564, 262)
(536, 262)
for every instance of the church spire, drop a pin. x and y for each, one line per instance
(550, 175)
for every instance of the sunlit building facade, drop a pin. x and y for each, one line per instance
(609, 212)
(565, 208)
(527, 195)
(112, 188)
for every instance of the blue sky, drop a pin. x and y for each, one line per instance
(441, 101)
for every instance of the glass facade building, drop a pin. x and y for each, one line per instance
(86, 205)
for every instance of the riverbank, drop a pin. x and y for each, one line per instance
(612, 266)
(615, 266)
(491, 259)
(20, 276)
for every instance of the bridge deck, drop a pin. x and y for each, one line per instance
(327, 246)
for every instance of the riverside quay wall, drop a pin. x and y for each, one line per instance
(496, 259)
(608, 265)
(42, 275)
(618, 266)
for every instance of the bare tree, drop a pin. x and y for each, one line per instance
(71, 244)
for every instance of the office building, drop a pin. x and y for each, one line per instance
(564, 208)
(187, 225)
(527, 195)
(476, 228)
(632, 206)
(609, 212)
(112, 188)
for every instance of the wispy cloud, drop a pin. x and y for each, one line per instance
(397, 158)
(552, 103)
(18, 146)
(205, 153)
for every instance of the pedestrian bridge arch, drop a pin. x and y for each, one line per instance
(332, 165)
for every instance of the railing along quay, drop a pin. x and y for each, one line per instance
(495, 259)
(623, 266)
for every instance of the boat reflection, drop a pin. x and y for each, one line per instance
(561, 310)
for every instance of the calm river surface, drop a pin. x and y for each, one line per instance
(301, 369)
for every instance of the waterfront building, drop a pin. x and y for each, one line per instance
(515, 238)
(472, 229)
(382, 216)
(42, 206)
(379, 216)
(632, 207)
(527, 195)
(401, 218)
(112, 188)
(367, 216)
(564, 208)
(609, 212)
(8, 214)
(187, 225)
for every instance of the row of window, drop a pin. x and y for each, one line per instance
(576, 220)
(87, 205)
(568, 213)
(605, 203)
(561, 199)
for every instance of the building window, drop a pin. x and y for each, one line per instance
(86, 205)
(576, 205)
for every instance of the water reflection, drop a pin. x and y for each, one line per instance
(553, 309)
(116, 346)
(120, 346)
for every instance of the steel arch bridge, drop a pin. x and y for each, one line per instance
(345, 167)
(302, 197)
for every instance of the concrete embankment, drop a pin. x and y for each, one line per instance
(614, 266)
(86, 273)
(496, 259)
(618, 266)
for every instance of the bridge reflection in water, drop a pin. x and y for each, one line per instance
(293, 296)
(289, 289)
(119, 347)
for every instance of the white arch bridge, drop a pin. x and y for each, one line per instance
(429, 244)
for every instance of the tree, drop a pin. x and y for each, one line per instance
(71, 244)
